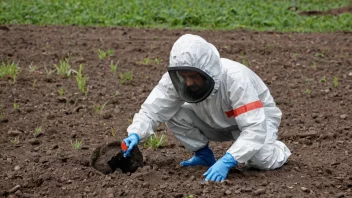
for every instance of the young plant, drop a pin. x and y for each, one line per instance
(76, 144)
(102, 55)
(245, 62)
(156, 61)
(323, 79)
(113, 67)
(125, 76)
(61, 91)
(314, 66)
(308, 91)
(34, 84)
(2, 114)
(48, 72)
(9, 70)
(113, 132)
(32, 68)
(64, 68)
(15, 140)
(155, 141)
(99, 108)
(321, 55)
(16, 106)
(81, 81)
(335, 82)
(37, 131)
(147, 61)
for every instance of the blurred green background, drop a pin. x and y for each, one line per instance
(258, 15)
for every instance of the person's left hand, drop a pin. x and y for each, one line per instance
(218, 172)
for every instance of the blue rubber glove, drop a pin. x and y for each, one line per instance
(131, 141)
(218, 172)
(204, 157)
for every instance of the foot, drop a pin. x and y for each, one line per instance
(202, 157)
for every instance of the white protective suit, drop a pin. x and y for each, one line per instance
(240, 108)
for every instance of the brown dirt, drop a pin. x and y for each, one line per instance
(316, 126)
(336, 11)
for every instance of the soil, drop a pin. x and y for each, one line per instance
(299, 68)
(335, 11)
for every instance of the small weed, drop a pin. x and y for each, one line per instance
(48, 72)
(147, 61)
(156, 61)
(64, 68)
(34, 84)
(9, 70)
(15, 140)
(61, 91)
(81, 81)
(125, 76)
(102, 55)
(323, 79)
(76, 144)
(245, 62)
(113, 131)
(320, 55)
(113, 67)
(335, 82)
(189, 196)
(32, 68)
(314, 66)
(99, 108)
(16, 106)
(2, 114)
(37, 131)
(308, 91)
(155, 141)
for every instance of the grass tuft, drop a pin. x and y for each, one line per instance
(155, 141)
(9, 70)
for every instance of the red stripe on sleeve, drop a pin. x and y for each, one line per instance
(245, 108)
(248, 107)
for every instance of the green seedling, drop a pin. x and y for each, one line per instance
(9, 70)
(147, 61)
(189, 196)
(76, 144)
(323, 79)
(64, 68)
(37, 131)
(113, 67)
(308, 91)
(155, 141)
(16, 106)
(245, 62)
(125, 76)
(48, 72)
(335, 82)
(320, 55)
(2, 114)
(314, 66)
(34, 84)
(100, 108)
(15, 140)
(61, 91)
(102, 55)
(113, 132)
(156, 61)
(81, 81)
(32, 68)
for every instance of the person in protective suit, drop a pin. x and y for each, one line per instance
(203, 97)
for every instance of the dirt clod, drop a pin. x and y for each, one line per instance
(109, 158)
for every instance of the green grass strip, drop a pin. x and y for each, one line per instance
(261, 15)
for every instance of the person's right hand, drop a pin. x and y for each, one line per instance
(129, 142)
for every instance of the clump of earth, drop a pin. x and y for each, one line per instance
(109, 158)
